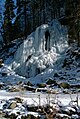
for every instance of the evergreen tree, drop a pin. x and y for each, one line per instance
(33, 13)
(73, 20)
(1, 34)
(0, 21)
(22, 16)
(0, 18)
(8, 21)
(77, 22)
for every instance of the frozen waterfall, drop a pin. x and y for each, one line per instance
(31, 58)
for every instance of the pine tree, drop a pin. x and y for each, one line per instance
(22, 16)
(33, 13)
(8, 21)
(73, 20)
(1, 18)
(0, 21)
(77, 22)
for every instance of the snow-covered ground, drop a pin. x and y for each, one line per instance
(34, 97)
(67, 103)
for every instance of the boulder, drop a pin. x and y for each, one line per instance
(75, 86)
(12, 116)
(24, 117)
(51, 81)
(43, 85)
(29, 83)
(14, 89)
(18, 100)
(64, 85)
(32, 108)
(30, 116)
(2, 115)
(12, 105)
(29, 88)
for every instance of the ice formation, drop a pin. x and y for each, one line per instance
(31, 58)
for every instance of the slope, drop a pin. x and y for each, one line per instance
(29, 60)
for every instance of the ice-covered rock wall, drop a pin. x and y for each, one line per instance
(31, 58)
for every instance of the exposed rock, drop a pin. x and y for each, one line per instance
(65, 91)
(18, 100)
(75, 86)
(4, 74)
(20, 82)
(32, 108)
(24, 117)
(29, 88)
(2, 115)
(43, 85)
(12, 116)
(51, 81)
(64, 85)
(6, 105)
(12, 105)
(15, 89)
(29, 83)
(62, 78)
(1, 85)
(51, 92)
(30, 116)
(56, 75)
